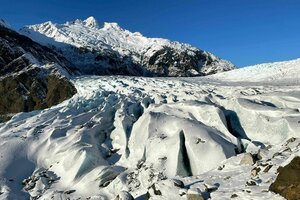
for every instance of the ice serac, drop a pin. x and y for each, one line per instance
(31, 76)
(173, 138)
(109, 49)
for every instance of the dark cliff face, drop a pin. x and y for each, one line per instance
(24, 84)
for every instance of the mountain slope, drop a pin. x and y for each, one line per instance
(108, 49)
(31, 76)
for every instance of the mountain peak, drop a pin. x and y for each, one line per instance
(91, 22)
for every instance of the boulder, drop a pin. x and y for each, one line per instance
(194, 194)
(124, 195)
(247, 159)
(178, 183)
(287, 183)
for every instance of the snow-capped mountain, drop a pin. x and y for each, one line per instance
(107, 48)
(156, 138)
(31, 76)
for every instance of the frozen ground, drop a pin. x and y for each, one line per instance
(157, 138)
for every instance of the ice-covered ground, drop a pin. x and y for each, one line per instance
(157, 138)
(281, 73)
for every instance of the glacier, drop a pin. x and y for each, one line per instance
(157, 138)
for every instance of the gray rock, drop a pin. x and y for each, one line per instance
(267, 168)
(178, 183)
(247, 159)
(194, 194)
(124, 195)
(255, 171)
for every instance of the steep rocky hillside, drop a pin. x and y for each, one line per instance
(31, 76)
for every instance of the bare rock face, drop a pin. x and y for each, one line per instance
(58, 90)
(287, 183)
(31, 76)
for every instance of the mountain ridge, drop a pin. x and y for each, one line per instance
(104, 48)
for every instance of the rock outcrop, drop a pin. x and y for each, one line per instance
(124, 195)
(31, 76)
(287, 183)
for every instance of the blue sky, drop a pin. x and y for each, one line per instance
(245, 32)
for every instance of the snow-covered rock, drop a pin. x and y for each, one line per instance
(168, 136)
(106, 48)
